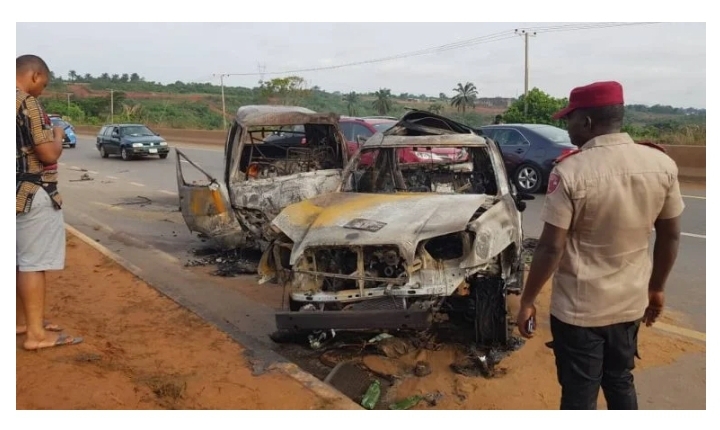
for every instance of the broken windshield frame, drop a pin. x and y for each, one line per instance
(445, 170)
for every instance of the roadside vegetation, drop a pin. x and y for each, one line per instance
(86, 100)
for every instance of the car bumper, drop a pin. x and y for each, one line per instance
(354, 320)
(159, 150)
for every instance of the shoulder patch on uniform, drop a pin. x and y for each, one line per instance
(566, 155)
(652, 145)
(553, 182)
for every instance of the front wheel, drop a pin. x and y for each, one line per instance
(125, 154)
(528, 179)
(489, 303)
(72, 146)
(163, 156)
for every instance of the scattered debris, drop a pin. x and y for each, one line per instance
(319, 338)
(83, 177)
(137, 200)
(422, 368)
(387, 368)
(229, 263)
(394, 347)
(433, 398)
(78, 169)
(406, 403)
(372, 395)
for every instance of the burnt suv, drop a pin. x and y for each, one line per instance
(398, 242)
(274, 156)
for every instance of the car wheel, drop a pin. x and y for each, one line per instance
(163, 156)
(72, 146)
(528, 179)
(125, 155)
(103, 153)
(491, 315)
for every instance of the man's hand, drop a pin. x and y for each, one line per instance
(655, 307)
(524, 314)
(58, 133)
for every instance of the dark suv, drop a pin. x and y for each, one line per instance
(130, 141)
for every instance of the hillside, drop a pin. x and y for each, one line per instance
(86, 100)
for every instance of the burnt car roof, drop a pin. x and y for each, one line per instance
(421, 128)
(255, 115)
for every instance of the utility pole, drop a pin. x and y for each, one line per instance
(68, 101)
(526, 35)
(222, 94)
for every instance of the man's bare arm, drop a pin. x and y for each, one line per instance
(667, 242)
(546, 258)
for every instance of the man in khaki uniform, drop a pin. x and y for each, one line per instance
(602, 204)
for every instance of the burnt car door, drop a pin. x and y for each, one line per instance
(204, 202)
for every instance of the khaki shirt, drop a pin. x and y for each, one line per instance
(608, 196)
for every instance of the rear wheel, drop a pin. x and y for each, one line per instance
(528, 179)
(103, 153)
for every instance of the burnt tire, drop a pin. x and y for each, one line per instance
(491, 314)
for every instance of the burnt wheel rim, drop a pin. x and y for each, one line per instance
(527, 178)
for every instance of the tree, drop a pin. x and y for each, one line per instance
(105, 77)
(134, 77)
(352, 99)
(382, 103)
(465, 97)
(115, 77)
(435, 108)
(442, 96)
(125, 77)
(88, 77)
(541, 107)
(72, 75)
(289, 90)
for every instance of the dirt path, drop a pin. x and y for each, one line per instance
(141, 351)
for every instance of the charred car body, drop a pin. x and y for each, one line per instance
(398, 243)
(262, 175)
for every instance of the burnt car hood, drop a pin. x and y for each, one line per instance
(350, 219)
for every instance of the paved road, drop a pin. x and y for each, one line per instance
(139, 199)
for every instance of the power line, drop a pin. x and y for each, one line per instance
(495, 37)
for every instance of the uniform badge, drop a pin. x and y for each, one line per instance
(553, 182)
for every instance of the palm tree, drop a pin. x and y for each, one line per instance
(466, 95)
(382, 103)
(352, 99)
(72, 74)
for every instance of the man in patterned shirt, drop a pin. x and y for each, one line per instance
(40, 229)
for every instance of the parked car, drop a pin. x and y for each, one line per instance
(357, 130)
(288, 136)
(69, 139)
(396, 243)
(262, 174)
(529, 151)
(130, 141)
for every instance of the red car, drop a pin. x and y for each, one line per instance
(356, 129)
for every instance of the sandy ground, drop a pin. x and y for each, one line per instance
(526, 377)
(141, 351)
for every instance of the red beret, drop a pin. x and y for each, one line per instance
(597, 94)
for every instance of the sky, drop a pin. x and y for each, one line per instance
(657, 63)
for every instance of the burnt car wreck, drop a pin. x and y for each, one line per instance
(398, 243)
(274, 156)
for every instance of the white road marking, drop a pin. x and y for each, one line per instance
(61, 164)
(137, 184)
(168, 192)
(694, 197)
(75, 168)
(111, 177)
(699, 236)
(93, 172)
(694, 334)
